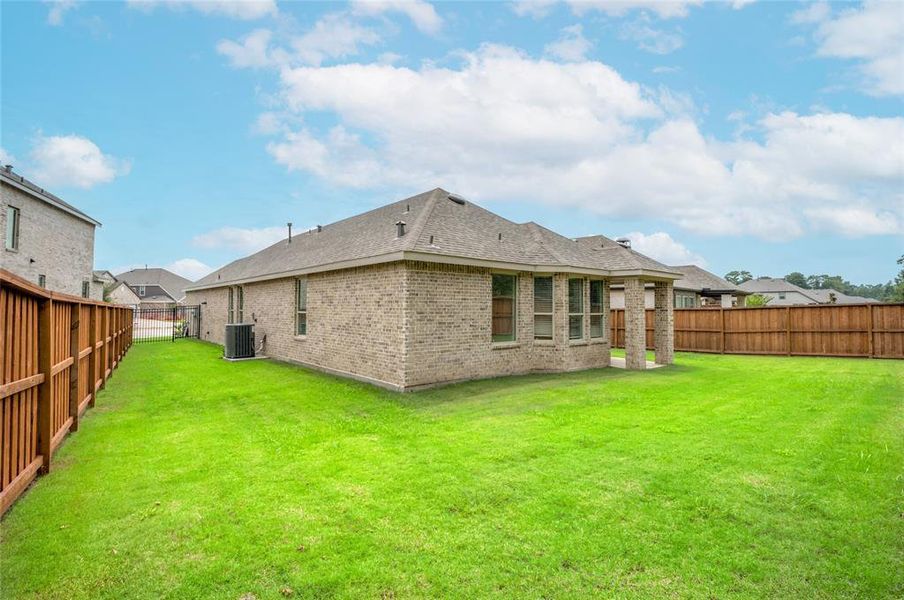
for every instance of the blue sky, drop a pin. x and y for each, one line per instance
(758, 135)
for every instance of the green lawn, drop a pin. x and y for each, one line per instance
(722, 476)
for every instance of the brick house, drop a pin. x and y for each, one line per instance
(156, 287)
(435, 289)
(46, 240)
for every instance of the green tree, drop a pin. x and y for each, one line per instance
(738, 277)
(797, 278)
(757, 300)
(897, 292)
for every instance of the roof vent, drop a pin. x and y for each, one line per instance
(319, 228)
(400, 227)
(623, 242)
(457, 199)
(500, 237)
(289, 225)
(8, 168)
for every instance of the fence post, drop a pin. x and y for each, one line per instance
(45, 390)
(104, 350)
(173, 325)
(721, 330)
(75, 368)
(92, 358)
(869, 329)
(788, 328)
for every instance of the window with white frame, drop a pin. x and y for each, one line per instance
(504, 314)
(86, 289)
(685, 301)
(12, 228)
(230, 305)
(301, 306)
(543, 308)
(240, 304)
(141, 291)
(42, 281)
(596, 309)
(576, 309)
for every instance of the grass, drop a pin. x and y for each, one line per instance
(720, 477)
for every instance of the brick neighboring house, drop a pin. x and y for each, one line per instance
(46, 240)
(435, 289)
(783, 293)
(697, 288)
(156, 287)
(121, 293)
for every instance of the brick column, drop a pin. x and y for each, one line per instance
(635, 325)
(664, 323)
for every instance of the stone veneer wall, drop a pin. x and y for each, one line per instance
(408, 325)
(52, 243)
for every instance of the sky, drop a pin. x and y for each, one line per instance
(754, 135)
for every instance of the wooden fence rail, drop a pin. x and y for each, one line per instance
(57, 352)
(865, 330)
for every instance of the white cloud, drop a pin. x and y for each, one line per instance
(245, 240)
(571, 46)
(235, 9)
(662, 247)
(857, 221)
(664, 9)
(6, 158)
(58, 8)
(190, 268)
(657, 41)
(333, 36)
(505, 126)
(72, 160)
(252, 52)
(665, 69)
(421, 13)
(872, 34)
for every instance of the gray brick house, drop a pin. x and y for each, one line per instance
(46, 240)
(434, 289)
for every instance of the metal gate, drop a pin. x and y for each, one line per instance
(165, 324)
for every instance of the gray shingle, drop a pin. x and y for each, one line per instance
(465, 231)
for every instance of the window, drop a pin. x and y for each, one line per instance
(575, 309)
(301, 307)
(230, 305)
(12, 228)
(504, 308)
(42, 280)
(240, 308)
(543, 308)
(781, 295)
(596, 309)
(141, 291)
(86, 289)
(685, 301)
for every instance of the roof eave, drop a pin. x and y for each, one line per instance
(50, 201)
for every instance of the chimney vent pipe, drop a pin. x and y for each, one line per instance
(400, 227)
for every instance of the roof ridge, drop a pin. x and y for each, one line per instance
(422, 218)
(537, 233)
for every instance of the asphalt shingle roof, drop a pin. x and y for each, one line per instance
(435, 224)
(775, 285)
(43, 194)
(699, 279)
(173, 284)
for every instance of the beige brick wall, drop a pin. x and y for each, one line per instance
(406, 325)
(52, 243)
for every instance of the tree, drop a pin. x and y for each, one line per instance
(797, 278)
(897, 293)
(757, 300)
(738, 277)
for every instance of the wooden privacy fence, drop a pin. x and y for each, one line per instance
(865, 330)
(57, 352)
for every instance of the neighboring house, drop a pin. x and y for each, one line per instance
(46, 240)
(830, 296)
(121, 293)
(782, 293)
(435, 289)
(156, 287)
(698, 288)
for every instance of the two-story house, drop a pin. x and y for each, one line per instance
(45, 239)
